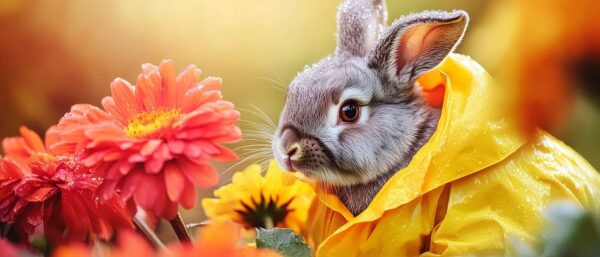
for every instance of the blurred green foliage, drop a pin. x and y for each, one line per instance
(569, 232)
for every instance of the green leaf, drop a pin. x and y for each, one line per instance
(283, 241)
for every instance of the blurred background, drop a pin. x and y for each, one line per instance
(57, 53)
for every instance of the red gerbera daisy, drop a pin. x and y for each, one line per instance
(38, 187)
(154, 141)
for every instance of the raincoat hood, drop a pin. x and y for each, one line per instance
(474, 135)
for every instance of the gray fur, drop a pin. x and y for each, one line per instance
(360, 23)
(354, 160)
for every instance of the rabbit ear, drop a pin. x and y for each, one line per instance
(360, 23)
(416, 44)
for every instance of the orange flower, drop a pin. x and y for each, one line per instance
(75, 250)
(38, 187)
(550, 62)
(548, 52)
(215, 240)
(128, 244)
(154, 142)
(219, 239)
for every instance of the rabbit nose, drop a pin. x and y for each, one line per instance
(294, 152)
(288, 139)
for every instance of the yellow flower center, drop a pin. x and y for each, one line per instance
(146, 123)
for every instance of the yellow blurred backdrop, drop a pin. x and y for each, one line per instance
(57, 53)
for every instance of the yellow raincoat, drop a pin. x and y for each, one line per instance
(477, 186)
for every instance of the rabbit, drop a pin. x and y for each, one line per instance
(355, 118)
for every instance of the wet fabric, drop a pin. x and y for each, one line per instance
(477, 186)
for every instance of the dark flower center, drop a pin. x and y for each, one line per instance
(265, 213)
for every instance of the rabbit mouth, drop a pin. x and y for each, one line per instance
(289, 163)
(323, 171)
(298, 151)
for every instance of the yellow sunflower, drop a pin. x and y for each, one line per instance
(277, 199)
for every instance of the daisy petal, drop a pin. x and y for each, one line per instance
(225, 155)
(110, 106)
(211, 83)
(186, 80)
(174, 181)
(122, 93)
(150, 147)
(131, 183)
(176, 146)
(167, 72)
(197, 96)
(32, 140)
(203, 176)
(188, 197)
(153, 165)
(147, 192)
(144, 94)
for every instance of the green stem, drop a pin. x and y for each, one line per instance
(180, 230)
(143, 228)
(192, 226)
(269, 222)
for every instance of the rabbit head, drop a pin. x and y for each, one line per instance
(357, 115)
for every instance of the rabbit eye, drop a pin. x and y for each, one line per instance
(349, 111)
